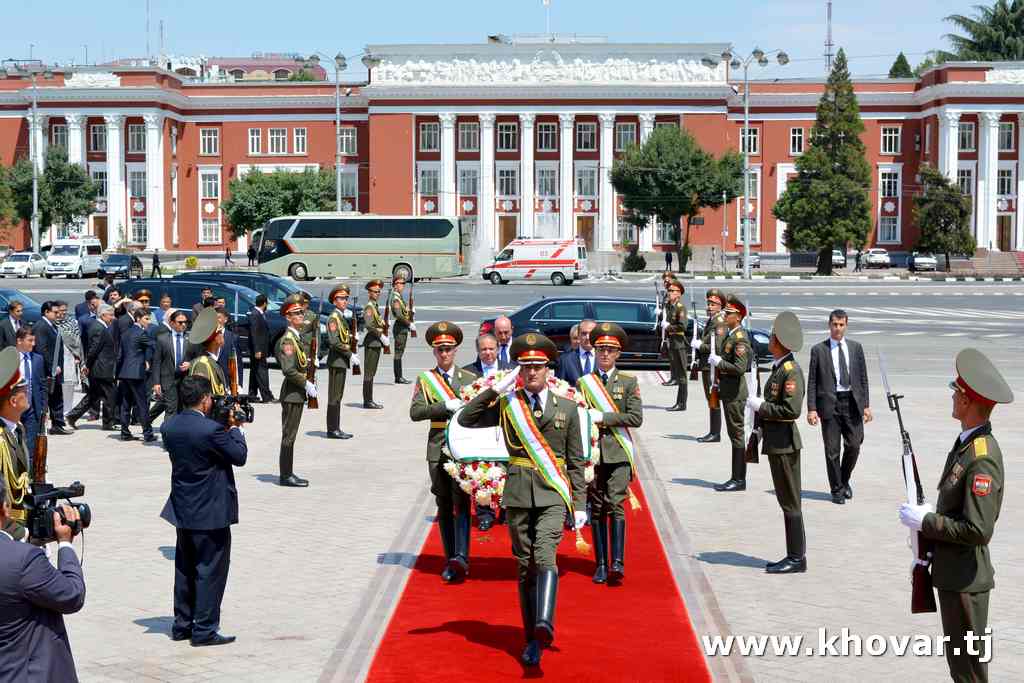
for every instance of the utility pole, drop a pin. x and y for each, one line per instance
(828, 37)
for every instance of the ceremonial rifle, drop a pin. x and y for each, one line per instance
(922, 597)
(753, 378)
(695, 363)
(387, 322)
(660, 301)
(353, 344)
(233, 371)
(312, 361)
(41, 449)
(412, 309)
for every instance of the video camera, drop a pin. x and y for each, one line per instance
(44, 500)
(226, 407)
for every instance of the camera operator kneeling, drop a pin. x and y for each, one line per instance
(34, 594)
(202, 506)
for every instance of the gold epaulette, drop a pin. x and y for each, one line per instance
(787, 366)
(980, 447)
(527, 463)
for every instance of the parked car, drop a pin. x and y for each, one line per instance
(23, 264)
(838, 258)
(74, 257)
(922, 261)
(755, 260)
(31, 313)
(876, 258)
(121, 266)
(5, 251)
(555, 316)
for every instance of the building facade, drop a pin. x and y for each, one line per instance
(517, 138)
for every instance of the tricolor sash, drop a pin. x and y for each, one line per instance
(435, 387)
(536, 446)
(598, 397)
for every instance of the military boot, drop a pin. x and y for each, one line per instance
(547, 598)
(618, 570)
(738, 482)
(368, 396)
(446, 528)
(599, 532)
(287, 476)
(334, 423)
(459, 560)
(714, 434)
(398, 373)
(680, 403)
(528, 608)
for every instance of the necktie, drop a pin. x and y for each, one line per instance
(604, 378)
(504, 355)
(844, 372)
(177, 349)
(446, 380)
(586, 363)
(537, 410)
(28, 375)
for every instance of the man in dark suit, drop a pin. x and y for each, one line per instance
(131, 375)
(50, 346)
(202, 507)
(503, 333)
(837, 396)
(486, 362)
(574, 364)
(10, 324)
(259, 351)
(34, 596)
(169, 366)
(229, 349)
(205, 301)
(89, 305)
(31, 365)
(100, 368)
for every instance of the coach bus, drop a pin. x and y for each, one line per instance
(322, 244)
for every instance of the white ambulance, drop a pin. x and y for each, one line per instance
(560, 261)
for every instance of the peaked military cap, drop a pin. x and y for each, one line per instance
(533, 348)
(787, 330)
(10, 372)
(716, 294)
(980, 379)
(374, 283)
(675, 284)
(609, 334)
(734, 304)
(443, 333)
(289, 305)
(293, 298)
(337, 290)
(205, 327)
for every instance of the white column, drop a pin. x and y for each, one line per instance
(949, 143)
(154, 181)
(76, 150)
(566, 204)
(988, 164)
(1018, 230)
(174, 205)
(606, 202)
(447, 199)
(485, 206)
(116, 219)
(646, 128)
(527, 216)
(37, 129)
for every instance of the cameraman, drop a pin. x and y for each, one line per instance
(34, 594)
(202, 507)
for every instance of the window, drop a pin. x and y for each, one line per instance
(966, 135)
(348, 184)
(299, 142)
(666, 124)
(136, 138)
(59, 135)
(1004, 183)
(889, 184)
(255, 140)
(563, 310)
(965, 179)
(210, 185)
(888, 229)
(1006, 136)
(347, 141)
(508, 137)
(101, 178)
(174, 141)
(547, 182)
(749, 141)
(625, 135)
(210, 233)
(98, 138)
(278, 140)
(586, 181)
(891, 139)
(237, 74)
(469, 137)
(138, 235)
(469, 181)
(625, 232)
(796, 141)
(623, 312)
(547, 137)
(281, 75)
(209, 141)
(928, 138)
(508, 182)
(546, 225)
(430, 137)
(586, 137)
(136, 183)
(430, 181)
(665, 233)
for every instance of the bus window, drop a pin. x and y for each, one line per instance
(504, 256)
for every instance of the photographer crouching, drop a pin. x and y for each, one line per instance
(202, 507)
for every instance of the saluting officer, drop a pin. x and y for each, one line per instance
(780, 410)
(339, 359)
(208, 334)
(970, 496)
(293, 358)
(436, 398)
(401, 321)
(545, 477)
(732, 365)
(14, 456)
(615, 406)
(374, 341)
(674, 325)
(713, 336)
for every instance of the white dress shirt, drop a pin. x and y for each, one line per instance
(488, 370)
(834, 350)
(542, 395)
(965, 435)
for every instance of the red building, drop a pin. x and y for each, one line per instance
(516, 137)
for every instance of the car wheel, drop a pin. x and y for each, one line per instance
(79, 275)
(48, 276)
(569, 282)
(495, 278)
(557, 279)
(298, 271)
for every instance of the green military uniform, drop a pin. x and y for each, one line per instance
(293, 358)
(206, 366)
(15, 460)
(204, 329)
(732, 391)
(453, 504)
(339, 360)
(373, 345)
(713, 336)
(401, 320)
(678, 347)
(535, 510)
(780, 437)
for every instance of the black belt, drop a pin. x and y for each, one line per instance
(844, 394)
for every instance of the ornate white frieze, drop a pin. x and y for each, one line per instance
(1012, 76)
(92, 79)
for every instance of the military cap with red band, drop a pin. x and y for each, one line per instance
(443, 333)
(338, 290)
(290, 306)
(608, 334)
(10, 372)
(979, 379)
(733, 304)
(533, 348)
(716, 294)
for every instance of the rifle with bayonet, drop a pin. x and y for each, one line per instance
(412, 310)
(387, 320)
(751, 453)
(695, 362)
(922, 597)
(353, 343)
(660, 300)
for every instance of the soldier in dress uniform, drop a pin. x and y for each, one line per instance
(401, 323)
(732, 365)
(436, 398)
(970, 496)
(779, 410)
(674, 326)
(208, 334)
(667, 278)
(615, 406)
(545, 477)
(374, 341)
(339, 359)
(293, 358)
(713, 335)
(310, 320)
(14, 456)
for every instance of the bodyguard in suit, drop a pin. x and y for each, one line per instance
(339, 358)
(837, 396)
(10, 324)
(34, 596)
(101, 369)
(574, 364)
(259, 352)
(88, 305)
(169, 366)
(202, 506)
(131, 375)
(503, 333)
(31, 366)
(50, 346)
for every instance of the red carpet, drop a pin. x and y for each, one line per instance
(638, 631)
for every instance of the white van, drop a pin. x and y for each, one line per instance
(560, 261)
(75, 257)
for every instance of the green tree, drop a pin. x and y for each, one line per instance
(827, 205)
(901, 68)
(943, 214)
(258, 197)
(302, 75)
(993, 33)
(8, 206)
(670, 177)
(70, 191)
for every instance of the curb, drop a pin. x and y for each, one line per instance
(821, 278)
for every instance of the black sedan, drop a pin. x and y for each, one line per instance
(122, 266)
(555, 316)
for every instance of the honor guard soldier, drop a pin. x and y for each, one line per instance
(401, 321)
(293, 358)
(674, 325)
(14, 455)
(310, 321)
(970, 496)
(374, 341)
(545, 477)
(436, 398)
(779, 410)
(713, 336)
(339, 359)
(207, 333)
(615, 406)
(732, 365)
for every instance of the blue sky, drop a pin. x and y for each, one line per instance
(871, 31)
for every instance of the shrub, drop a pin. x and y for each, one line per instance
(634, 262)
(191, 262)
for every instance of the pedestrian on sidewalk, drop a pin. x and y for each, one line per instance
(856, 263)
(227, 257)
(668, 260)
(155, 267)
(251, 253)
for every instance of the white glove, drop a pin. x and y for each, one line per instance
(347, 314)
(714, 359)
(755, 402)
(355, 360)
(507, 384)
(453, 404)
(412, 326)
(385, 340)
(912, 516)
(310, 389)
(664, 324)
(596, 416)
(696, 344)
(580, 518)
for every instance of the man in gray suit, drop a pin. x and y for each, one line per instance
(33, 597)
